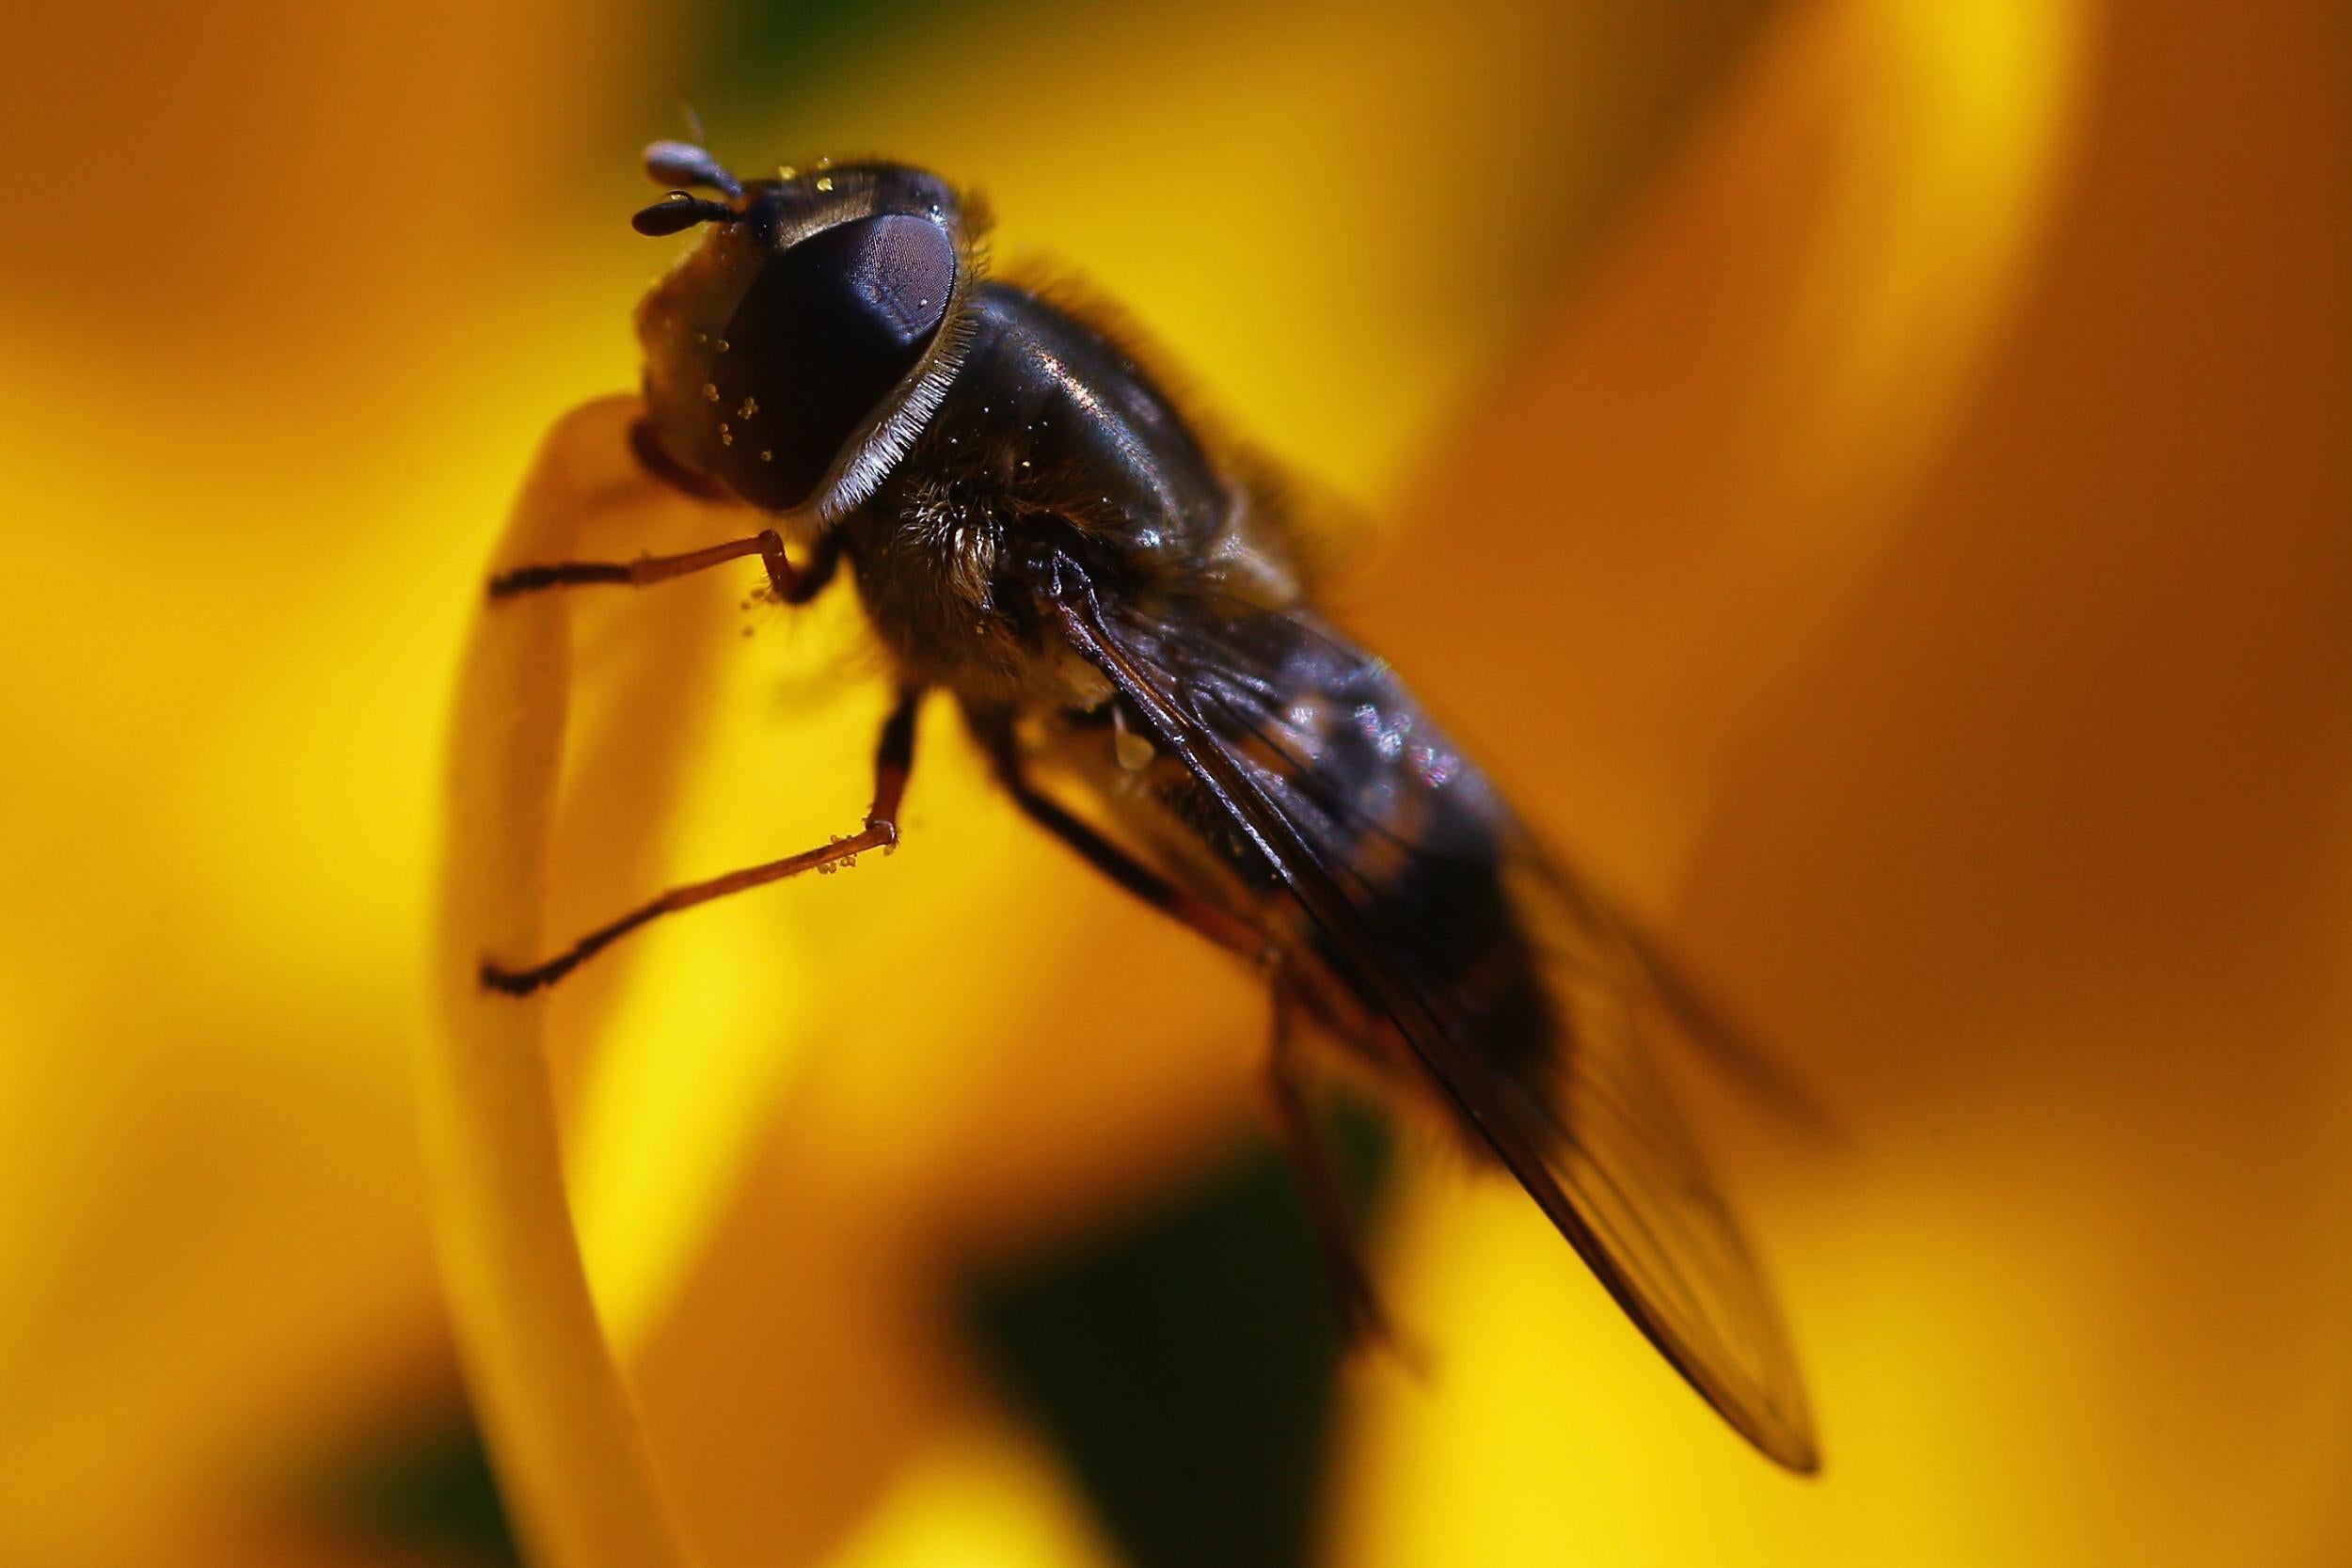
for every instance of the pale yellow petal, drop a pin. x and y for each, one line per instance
(569, 1456)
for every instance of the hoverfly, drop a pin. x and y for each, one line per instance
(1119, 602)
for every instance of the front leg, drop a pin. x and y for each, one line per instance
(894, 761)
(792, 585)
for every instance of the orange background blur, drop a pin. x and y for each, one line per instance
(1875, 478)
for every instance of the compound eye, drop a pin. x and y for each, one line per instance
(829, 328)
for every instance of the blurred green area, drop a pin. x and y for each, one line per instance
(756, 48)
(1185, 1365)
(427, 1489)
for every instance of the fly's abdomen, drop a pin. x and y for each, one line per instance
(1393, 810)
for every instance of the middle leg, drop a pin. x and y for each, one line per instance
(894, 758)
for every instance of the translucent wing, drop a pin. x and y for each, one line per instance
(1585, 1124)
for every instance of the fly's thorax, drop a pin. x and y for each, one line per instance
(942, 571)
(797, 350)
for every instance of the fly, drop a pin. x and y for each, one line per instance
(1116, 599)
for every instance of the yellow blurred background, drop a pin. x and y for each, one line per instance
(1875, 478)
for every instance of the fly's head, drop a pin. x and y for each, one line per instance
(796, 351)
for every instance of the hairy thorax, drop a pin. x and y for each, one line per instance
(1053, 439)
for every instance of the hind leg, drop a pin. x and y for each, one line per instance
(1288, 1115)
(1315, 1172)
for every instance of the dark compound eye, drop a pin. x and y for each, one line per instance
(827, 329)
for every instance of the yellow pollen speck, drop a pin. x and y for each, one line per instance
(710, 392)
(786, 171)
(824, 183)
(1133, 750)
(751, 406)
(766, 456)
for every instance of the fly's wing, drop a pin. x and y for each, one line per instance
(1658, 1232)
(1601, 1150)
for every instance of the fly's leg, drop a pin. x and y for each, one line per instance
(793, 585)
(1228, 931)
(1361, 1318)
(894, 757)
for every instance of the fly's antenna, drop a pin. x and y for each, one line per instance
(687, 165)
(678, 211)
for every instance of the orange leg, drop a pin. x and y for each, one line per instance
(894, 757)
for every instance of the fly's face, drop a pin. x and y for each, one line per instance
(798, 350)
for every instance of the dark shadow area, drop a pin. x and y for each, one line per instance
(1185, 1367)
(429, 1490)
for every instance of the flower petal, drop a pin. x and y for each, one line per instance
(569, 1455)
